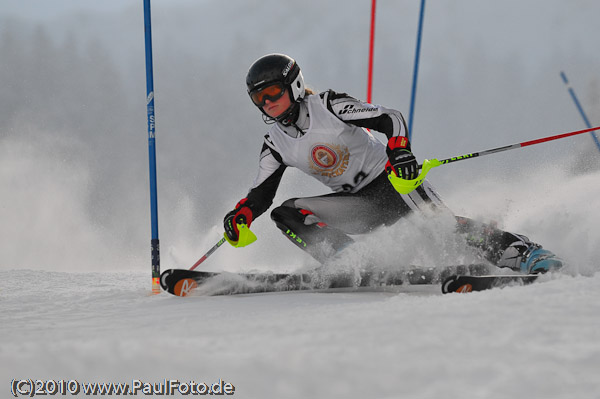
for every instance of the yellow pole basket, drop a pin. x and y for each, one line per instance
(406, 186)
(246, 237)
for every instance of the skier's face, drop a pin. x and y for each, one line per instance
(277, 107)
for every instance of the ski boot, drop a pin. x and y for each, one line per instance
(539, 260)
(529, 258)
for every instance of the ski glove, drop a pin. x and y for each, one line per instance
(400, 159)
(240, 215)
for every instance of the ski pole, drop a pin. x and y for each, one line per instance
(514, 146)
(246, 237)
(406, 186)
(210, 251)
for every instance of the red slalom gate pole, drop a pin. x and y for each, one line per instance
(371, 50)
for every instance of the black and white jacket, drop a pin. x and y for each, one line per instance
(329, 141)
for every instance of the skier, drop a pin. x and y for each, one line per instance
(325, 135)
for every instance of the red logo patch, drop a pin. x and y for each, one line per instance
(398, 142)
(323, 156)
(465, 288)
(183, 287)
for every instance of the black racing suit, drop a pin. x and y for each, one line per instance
(322, 225)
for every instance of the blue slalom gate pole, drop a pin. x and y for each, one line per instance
(580, 108)
(416, 70)
(155, 249)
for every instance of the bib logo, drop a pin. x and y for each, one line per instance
(329, 160)
(324, 156)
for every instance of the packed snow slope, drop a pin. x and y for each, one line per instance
(540, 341)
(75, 299)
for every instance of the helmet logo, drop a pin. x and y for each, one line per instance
(287, 68)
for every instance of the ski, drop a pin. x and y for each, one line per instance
(183, 282)
(464, 284)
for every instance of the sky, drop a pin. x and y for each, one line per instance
(44, 10)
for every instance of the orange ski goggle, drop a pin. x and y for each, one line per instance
(272, 93)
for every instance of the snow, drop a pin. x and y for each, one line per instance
(540, 341)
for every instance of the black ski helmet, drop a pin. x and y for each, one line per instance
(277, 68)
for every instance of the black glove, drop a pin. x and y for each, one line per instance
(240, 215)
(400, 159)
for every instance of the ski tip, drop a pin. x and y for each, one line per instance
(177, 282)
(452, 284)
(170, 283)
(164, 279)
(184, 287)
(181, 282)
(465, 283)
(458, 288)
